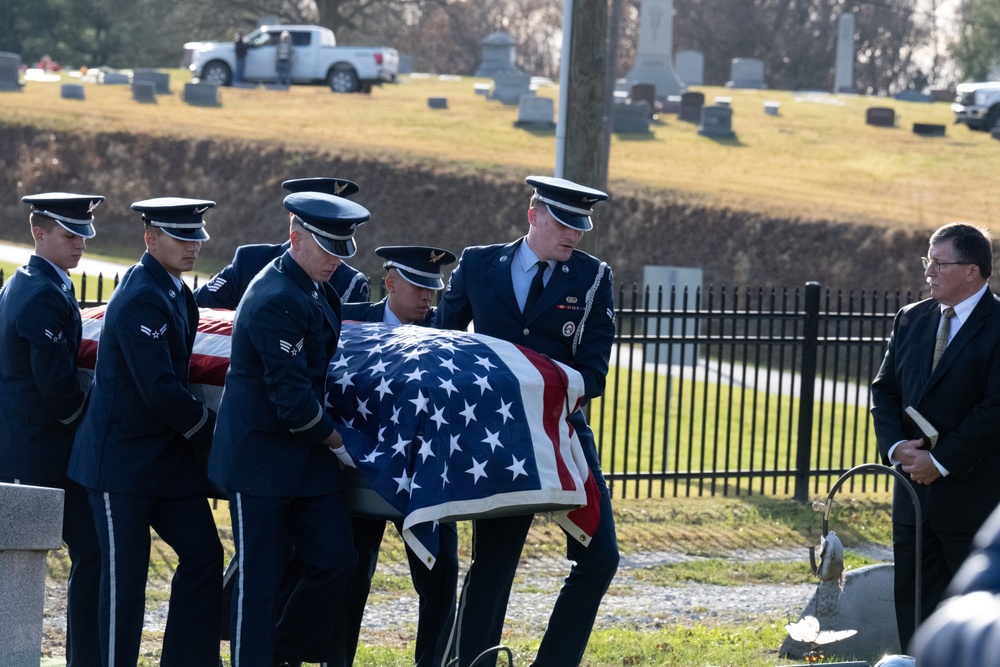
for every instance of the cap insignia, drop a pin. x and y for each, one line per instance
(94, 203)
(436, 257)
(201, 209)
(339, 187)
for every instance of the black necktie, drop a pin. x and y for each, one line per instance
(537, 285)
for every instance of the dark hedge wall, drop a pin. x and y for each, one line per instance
(429, 203)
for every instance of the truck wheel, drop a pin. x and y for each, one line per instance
(343, 80)
(216, 72)
(992, 117)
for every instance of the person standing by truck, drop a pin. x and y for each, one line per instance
(283, 59)
(240, 46)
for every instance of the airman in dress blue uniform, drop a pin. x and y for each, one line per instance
(41, 401)
(227, 287)
(413, 275)
(141, 448)
(542, 293)
(276, 448)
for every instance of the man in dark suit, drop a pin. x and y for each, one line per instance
(141, 448)
(226, 288)
(276, 448)
(413, 275)
(542, 293)
(41, 400)
(943, 359)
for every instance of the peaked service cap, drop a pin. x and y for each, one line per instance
(332, 186)
(178, 217)
(420, 265)
(570, 203)
(331, 219)
(73, 212)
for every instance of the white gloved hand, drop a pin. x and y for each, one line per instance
(343, 456)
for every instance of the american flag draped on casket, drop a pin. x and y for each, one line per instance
(458, 425)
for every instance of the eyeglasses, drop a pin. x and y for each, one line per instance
(928, 263)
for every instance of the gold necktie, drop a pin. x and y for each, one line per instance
(944, 333)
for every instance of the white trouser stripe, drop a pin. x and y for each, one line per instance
(111, 578)
(240, 550)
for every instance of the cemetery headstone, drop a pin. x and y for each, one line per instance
(678, 279)
(10, 71)
(929, 129)
(942, 94)
(843, 76)
(481, 89)
(30, 526)
(746, 73)
(161, 80)
(672, 104)
(654, 54)
(717, 122)
(691, 67)
(437, 102)
(405, 63)
(72, 91)
(113, 79)
(880, 117)
(912, 96)
(691, 104)
(508, 86)
(535, 112)
(995, 133)
(631, 118)
(498, 54)
(723, 101)
(644, 92)
(772, 108)
(144, 91)
(201, 94)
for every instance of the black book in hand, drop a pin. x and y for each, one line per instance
(924, 429)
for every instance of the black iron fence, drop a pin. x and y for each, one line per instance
(723, 392)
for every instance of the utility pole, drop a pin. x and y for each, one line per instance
(580, 153)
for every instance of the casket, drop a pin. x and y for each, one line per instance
(457, 425)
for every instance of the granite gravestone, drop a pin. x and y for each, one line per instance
(113, 79)
(644, 92)
(880, 117)
(437, 102)
(843, 76)
(201, 94)
(631, 118)
(144, 91)
(716, 122)
(30, 526)
(72, 91)
(929, 129)
(498, 54)
(160, 80)
(405, 63)
(912, 96)
(508, 86)
(672, 104)
(746, 73)
(10, 71)
(691, 104)
(660, 281)
(772, 108)
(653, 60)
(534, 112)
(691, 67)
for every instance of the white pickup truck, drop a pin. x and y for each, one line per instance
(977, 105)
(316, 59)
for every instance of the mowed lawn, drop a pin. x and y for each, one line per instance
(817, 159)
